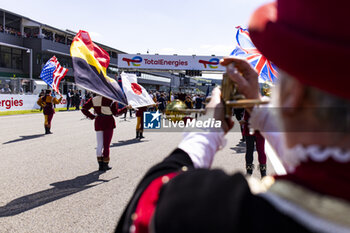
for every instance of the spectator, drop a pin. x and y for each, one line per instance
(6, 89)
(69, 98)
(162, 103)
(189, 102)
(77, 99)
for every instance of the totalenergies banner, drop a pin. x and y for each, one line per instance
(22, 102)
(168, 62)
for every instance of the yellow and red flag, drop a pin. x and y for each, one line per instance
(90, 64)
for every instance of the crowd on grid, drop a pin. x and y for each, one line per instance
(76, 98)
(191, 100)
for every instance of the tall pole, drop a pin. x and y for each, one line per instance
(31, 69)
(30, 63)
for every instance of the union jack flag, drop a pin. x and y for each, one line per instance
(245, 48)
(53, 73)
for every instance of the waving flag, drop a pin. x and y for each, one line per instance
(246, 49)
(52, 73)
(136, 94)
(90, 64)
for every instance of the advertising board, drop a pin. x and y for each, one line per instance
(22, 102)
(170, 62)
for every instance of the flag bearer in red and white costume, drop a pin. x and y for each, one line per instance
(47, 103)
(105, 110)
(309, 41)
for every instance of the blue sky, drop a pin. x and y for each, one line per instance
(182, 27)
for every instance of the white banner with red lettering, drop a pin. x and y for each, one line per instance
(168, 62)
(136, 94)
(10, 102)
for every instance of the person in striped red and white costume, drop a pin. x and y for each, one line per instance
(104, 110)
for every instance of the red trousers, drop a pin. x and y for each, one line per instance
(48, 119)
(260, 147)
(104, 139)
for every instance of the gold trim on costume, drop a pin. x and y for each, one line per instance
(46, 119)
(105, 160)
(138, 123)
(326, 207)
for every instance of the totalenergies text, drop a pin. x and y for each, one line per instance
(163, 62)
(10, 102)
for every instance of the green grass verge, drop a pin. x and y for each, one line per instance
(5, 113)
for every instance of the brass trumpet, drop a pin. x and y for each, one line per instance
(175, 110)
(229, 94)
(232, 99)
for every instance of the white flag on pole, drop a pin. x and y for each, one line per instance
(136, 94)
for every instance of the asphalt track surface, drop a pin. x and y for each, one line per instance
(50, 183)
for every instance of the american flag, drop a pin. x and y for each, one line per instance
(245, 48)
(52, 73)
